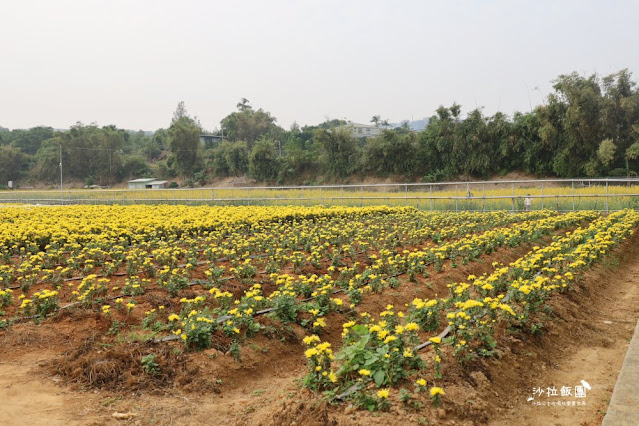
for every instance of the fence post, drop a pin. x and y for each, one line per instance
(483, 206)
(431, 197)
(573, 195)
(607, 196)
(542, 195)
(513, 197)
(456, 194)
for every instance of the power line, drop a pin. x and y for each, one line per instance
(91, 149)
(118, 150)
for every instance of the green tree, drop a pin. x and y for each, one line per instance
(620, 114)
(12, 162)
(606, 152)
(180, 112)
(154, 146)
(300, 154)
(151, 150)
(263, 160)
(184, 143)
(339, 151)
(29, 141)
(525, 149)
(135, 166)
(439, 148)
(473, 148)
(235, 155)
(249, 125)
(87, 151)
(571, 122)
(632, 153)
(392, 152)
(244, 105)
(163, 170)
(229, 159)
(160, 138)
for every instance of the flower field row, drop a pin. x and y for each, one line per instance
(355, 280)
(222, 258)
(281, 243)
(200, 275)
(37, 227)
(383, 353)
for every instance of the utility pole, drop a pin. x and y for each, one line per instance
(60, 168)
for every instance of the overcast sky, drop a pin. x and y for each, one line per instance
(130, 62)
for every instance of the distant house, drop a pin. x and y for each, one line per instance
(363, 130)
(147, 183)
(159, 184)
(210, 141)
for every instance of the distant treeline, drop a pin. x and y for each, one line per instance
(588, 126)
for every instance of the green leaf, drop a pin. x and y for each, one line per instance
(360, 329)
(369, 362)
(379, 377)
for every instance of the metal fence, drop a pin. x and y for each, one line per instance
(557, 194)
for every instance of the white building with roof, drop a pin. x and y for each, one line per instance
(147, 183)
(363, 130)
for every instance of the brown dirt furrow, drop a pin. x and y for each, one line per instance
(585, 338)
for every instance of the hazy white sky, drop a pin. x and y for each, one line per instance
(130, 62)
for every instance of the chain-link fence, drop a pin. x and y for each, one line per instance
(516, 195)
